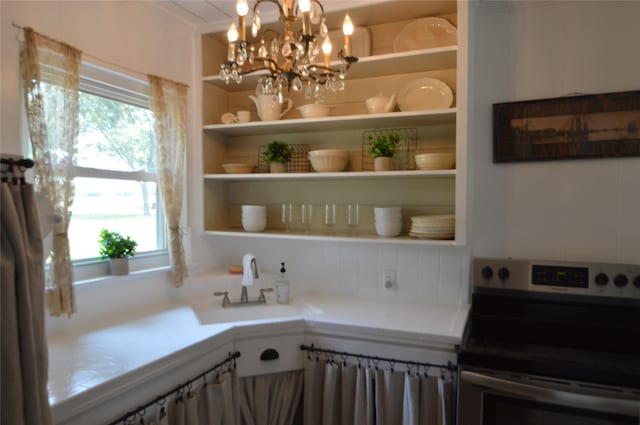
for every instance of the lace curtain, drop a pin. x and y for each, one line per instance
(51, 76)
(169, 104)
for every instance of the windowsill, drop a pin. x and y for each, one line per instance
(92, 270)
(133, 275)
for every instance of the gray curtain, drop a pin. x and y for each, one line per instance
(270, 399)
(24, 361)
(364, 395)
(206, 404)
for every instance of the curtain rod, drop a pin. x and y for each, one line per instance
(451, 367)
(140, 411)
(122, 67)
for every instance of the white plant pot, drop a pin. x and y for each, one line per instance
(119, 266)
(278, 167)
(383, 163)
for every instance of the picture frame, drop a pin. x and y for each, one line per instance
(571, 127)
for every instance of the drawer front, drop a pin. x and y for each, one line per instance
(269, 355)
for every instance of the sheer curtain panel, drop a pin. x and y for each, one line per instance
(169, 104)
(25, 360)
(51, 76)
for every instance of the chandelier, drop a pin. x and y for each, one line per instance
(294, 61)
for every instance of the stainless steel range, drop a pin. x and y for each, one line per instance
(550, 343)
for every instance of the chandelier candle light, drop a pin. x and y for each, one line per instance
(293, 63)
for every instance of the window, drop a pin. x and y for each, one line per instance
(114, 176)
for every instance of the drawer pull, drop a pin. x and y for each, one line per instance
(269, 354)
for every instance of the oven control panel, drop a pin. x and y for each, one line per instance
(598, 279)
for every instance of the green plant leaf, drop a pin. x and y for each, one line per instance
(114, 245)
(383, 145)
(277, 151)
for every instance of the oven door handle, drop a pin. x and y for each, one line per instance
(554, 396)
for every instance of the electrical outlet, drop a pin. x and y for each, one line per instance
(389, 279)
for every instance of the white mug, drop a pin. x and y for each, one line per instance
(243, 116)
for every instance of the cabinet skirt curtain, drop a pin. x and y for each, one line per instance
(24, 347)
(350, 394)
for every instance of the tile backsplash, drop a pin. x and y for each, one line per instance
(424, 273)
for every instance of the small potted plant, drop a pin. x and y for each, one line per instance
(277, 154)
(117, 249)
(382, 148)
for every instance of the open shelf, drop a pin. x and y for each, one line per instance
(346, 122)
(332, 176)
(366, 67)
(384, 71)
(329, 237)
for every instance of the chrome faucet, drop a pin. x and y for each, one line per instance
(244, 298)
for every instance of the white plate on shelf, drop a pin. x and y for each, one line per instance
(423, 94)
(425, 33)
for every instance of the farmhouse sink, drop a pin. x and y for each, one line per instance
(212, 312)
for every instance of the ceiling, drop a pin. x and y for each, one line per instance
(201, 12)
(216, 15)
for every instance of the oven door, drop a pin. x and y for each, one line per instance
(499, 399)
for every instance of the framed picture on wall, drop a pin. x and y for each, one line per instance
(572, 127)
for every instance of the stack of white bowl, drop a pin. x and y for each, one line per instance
(254, 218)
(433, 226)
(388, 221)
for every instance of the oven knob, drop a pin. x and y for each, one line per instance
(636, 282)
(621, 280)
(503, 273)
(602, 279)
(487, 272)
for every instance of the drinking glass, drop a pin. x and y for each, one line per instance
(306, 216)
(330, 217)
(287, 216)
(353, 217)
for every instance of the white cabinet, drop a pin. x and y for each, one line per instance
(418, 192)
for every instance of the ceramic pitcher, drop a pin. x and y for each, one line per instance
(268, 107)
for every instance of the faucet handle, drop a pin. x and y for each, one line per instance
(261, 298)
(225, 300)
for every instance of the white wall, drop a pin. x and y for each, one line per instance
(574, 210)
(130, 37)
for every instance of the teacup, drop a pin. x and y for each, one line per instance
(243, 116)
(228, 118)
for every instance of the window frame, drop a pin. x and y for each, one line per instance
(101, 81)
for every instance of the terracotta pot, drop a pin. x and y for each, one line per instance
(119, 266)
(383, 163)
(278, 167)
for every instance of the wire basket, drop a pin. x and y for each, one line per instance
(299, 160)
(405, 152)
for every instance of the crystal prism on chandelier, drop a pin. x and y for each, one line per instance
(296, 58)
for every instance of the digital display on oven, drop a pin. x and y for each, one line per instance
(571, 277)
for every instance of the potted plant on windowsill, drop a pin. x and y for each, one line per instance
(117, 249)
(382, 148)
(277, 154)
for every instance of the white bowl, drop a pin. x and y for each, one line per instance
(257, 225)
(380, 104)
(387, 213)
(436, 161)
(329, 161)
(254, 216)
(254, 208)
(388, 230)
(333, 152)
(315, 110)
(238, 168)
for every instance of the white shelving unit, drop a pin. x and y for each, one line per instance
(441, 191)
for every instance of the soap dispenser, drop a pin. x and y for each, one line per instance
(282, 287)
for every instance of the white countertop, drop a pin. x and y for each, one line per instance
(86, 363)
